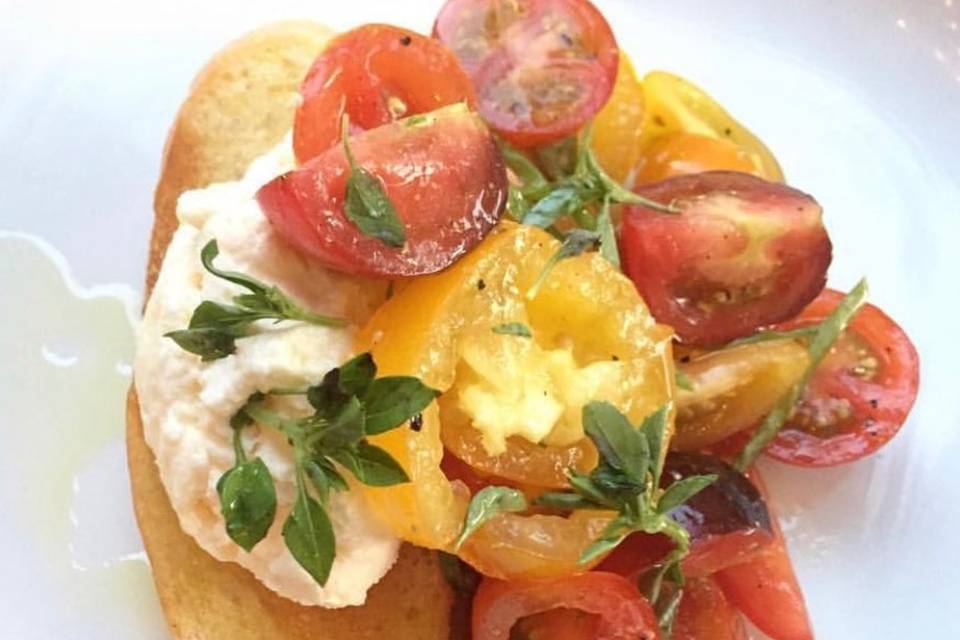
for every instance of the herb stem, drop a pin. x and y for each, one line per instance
(238, 446)
(825, 335)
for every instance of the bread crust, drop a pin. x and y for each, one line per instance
(240, 105)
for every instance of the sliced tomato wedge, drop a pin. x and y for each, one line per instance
(443, 173)
(541, 68)
(859, 396)
(374, 74)
(728, 523)
(622, 612)
(706, 614)
(742, 253)
(766, 589)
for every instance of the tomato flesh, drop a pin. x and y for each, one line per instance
(859, 396)
(680, 154)
(541, 68)
(557, 624)
(374, 74)
(741, 253)
(766, 589)
(622, 613)
(706, 614)
(443, 172)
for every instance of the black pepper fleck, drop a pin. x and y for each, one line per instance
(406, 40)
(416, 422)
(685, 359)
(874, 403)
(481, 285)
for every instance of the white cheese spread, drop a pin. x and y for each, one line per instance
(186, 404)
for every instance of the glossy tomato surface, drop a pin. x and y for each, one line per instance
(374, 74)
(678, 154)
(741, 253)
(766, 589)
(859, 396)
(443, 172)
(706, 614)
(541, 68)
(623, 613)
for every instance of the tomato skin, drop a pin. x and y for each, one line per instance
(706, 614)
(375, 74)
(741, 254)
(456, 194)
(680, 154)
(766, 589)
(541, 68)
(878, 405)
(624, 613)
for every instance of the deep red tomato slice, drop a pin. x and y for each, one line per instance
(442, 171)
(375, 74)
(766, 590)
(541, 68)
(623, 613)
(742, 253)
(860, 395)
(706, 614)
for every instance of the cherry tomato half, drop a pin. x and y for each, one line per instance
(706, 614)
(541, 68)
(859, 396)
(741, 253)
(678, 154)
(765, 588)
(375, 74)
(442, 171)
(623, 613)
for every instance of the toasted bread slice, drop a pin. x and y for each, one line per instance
(240, 106)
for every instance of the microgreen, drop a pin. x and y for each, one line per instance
(215, 327)
(487, 503)
(821, 339)
(513, 329)
(577, 242)
(349, 404)
(366, 203)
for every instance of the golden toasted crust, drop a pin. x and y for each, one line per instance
(240, 105)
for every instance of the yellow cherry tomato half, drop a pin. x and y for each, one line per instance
(589, 328)
(674, 105)
(732, 389)
(678, 154)
(617, 129)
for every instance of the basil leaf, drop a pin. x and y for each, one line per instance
(209, 344)
(372, 465)
(590, 490)
(367, 205)
(612, 535)
(248, 502)
(560, 202)
(826, 334)
(620, 445)
(390, 401)
(324, 477)
(565, 501)
(654, 428)
(356, 374)
(535, 185)
(682, 490)
(213, 315)
(608, 237)
(615, 484)
(345, 429)
(513, 329)
(487, 503)
(309, 535)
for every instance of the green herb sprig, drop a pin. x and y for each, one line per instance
(517, 329)
(822, 336)
(349, 404)
(215, 327)
(487, 503)
(627, 480)
(366, 203)
(578, 241)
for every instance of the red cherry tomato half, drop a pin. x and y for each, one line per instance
(623, 613)
(742, 253)
(765, 588)
(706, 614)
(859, 396)
(557, 624)
(375, 74)
(443, 173)
(541, 68)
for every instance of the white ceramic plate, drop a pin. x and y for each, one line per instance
(859, 100)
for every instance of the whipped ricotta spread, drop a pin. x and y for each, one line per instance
(186, 404)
